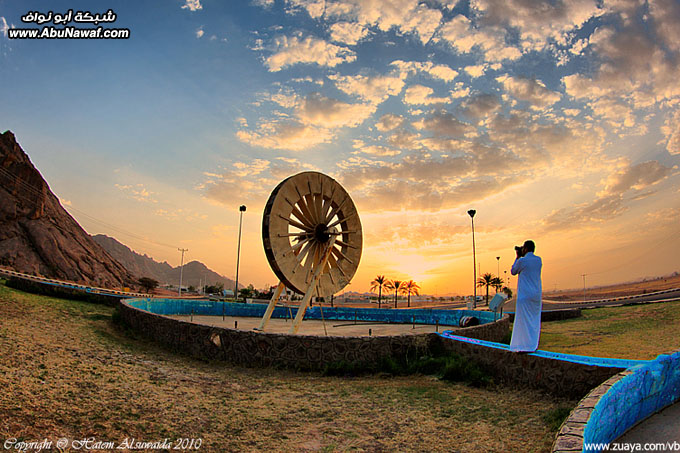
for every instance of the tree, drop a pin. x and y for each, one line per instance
(248, 292)
(214, 289)
(507, 291)
(497, 283)
(485, 280)
(396, 286)
(148, 284)
(379, 282)
(408, 288)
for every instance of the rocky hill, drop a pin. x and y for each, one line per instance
(38, 236)
(194, 272)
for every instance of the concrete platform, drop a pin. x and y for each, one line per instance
(315, 327)
(661, 427)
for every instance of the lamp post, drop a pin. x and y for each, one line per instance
(498, 259)
(584, 286)
(472, 213)
(241, 209)
(181, 269)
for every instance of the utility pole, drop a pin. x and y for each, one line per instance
(241, 209)
(584, 286)
(181, 269)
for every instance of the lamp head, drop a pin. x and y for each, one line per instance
(472, 213)
(242, 208)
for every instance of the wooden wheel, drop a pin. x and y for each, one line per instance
(301, 215)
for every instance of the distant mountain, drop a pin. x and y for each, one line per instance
(144, 266)
(38, 236)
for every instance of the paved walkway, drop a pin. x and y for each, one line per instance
(316, 327)
(661, 427)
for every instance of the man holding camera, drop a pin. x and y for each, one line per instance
(527, 327)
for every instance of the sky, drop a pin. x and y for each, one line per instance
(557, 121)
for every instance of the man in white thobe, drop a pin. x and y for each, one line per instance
(527, 327)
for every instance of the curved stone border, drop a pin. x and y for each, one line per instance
(620, 403)
(549, 372)
(292, 351)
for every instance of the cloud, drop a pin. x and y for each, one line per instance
(635, 177)
(374, 89)
(291, 50)
(444, 124)
(199, 32)
(475, 71)
(537, 22)
(671, 130)
(332, 113)
(666, 15)
(437, 71)
(422, 95)
(3, 26)
(529, 90)
(192, 5)
(461, 34)
(630, 180)
(481, 105)
(375, 150)
(389, 121)
(634, 59)
(424, 195)
(250, 182)
(137, 192)
(286, 134)
(348, 32)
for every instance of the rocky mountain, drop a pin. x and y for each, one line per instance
(194, 272)
(38, 236)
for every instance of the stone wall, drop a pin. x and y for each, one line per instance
(557, 377)
(621, 402)
(291, 351)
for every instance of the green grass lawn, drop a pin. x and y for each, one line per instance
(630, 332)
(66, 370)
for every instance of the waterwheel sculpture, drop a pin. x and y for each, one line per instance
(312, 238)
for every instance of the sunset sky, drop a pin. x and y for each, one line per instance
(558, 121)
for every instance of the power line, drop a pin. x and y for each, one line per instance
(38, 192)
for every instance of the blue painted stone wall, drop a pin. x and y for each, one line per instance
(648, 389)
(215, 308)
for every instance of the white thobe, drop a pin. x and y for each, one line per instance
(527, 327)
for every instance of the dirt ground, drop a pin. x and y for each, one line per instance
(68, 372)
(329, 327)
(618, 290)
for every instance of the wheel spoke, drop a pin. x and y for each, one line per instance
(339, 254)
(344, 232)
(303, 218)
(296, 248)
(311, 259)
(335, 264)
(304, 207)
(336, 210)
(302, 254)
(296, 224)
(338, 241)
(309, 200)
(327, 204)
(342, 220)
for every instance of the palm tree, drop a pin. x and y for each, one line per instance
(497, 283)
(507, 291)
(396, 286)
(408, 288)
(486, 280)
(379, 282)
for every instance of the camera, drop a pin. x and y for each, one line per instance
(520, 250)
